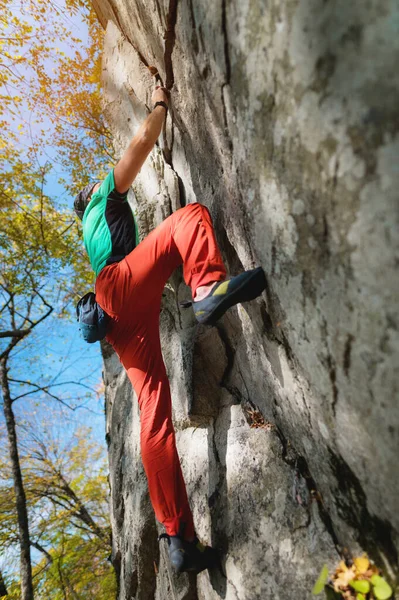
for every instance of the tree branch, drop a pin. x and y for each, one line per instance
(43, 550)
(5, 305)
(45, 390)
(16, 333)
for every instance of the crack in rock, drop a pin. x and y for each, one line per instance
(170, 38)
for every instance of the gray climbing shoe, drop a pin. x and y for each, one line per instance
(225, 294)
(190, 556)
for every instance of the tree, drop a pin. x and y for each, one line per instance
(71, 100)
(67, 502)
(36, 241)
(40, 254)
(3, 589)
(50, 87)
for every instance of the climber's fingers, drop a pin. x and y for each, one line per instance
(160, 94)
(160, 87)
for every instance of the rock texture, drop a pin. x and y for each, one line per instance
(284, 122)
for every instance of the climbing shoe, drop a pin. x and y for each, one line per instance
(225, 294)
(190, 556)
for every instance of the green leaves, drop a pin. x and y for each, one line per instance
(51, 123)
(67, 496)
(58, 116)
(321, 581)
(381, 589)
(361, 577)
(361, 585)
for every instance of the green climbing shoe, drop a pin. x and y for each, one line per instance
(190, 556)
(225, 294)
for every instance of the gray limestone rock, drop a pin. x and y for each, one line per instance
(284, 122)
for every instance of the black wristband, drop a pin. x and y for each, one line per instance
(161, 104)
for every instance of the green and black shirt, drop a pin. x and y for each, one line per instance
(109, 228)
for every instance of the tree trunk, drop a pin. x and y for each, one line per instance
(3, 589)
(22, 513)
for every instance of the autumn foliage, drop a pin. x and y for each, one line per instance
(66, 489)
(50, 104)
(53, 141)
(361, 580)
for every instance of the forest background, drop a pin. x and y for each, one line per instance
(54, 529)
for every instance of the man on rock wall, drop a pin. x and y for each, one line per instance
(130, 280)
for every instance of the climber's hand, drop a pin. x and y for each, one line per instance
(160, 94)
(141, 145)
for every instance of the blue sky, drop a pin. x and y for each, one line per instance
(57, 343)
(55, 353)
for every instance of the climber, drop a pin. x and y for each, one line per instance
(129, 285)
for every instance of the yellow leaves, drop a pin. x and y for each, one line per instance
(66, 104)
(359, 581)
(40, 235)
(51, 471)
(57, 89)
(362, 564)
(100, 389)
(343, 576)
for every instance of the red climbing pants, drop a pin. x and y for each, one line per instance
(130, 292)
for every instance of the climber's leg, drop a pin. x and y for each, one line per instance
(194, 237)
(143, 362)
(131, 292)
(186, 237)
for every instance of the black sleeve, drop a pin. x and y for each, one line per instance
(115, 195)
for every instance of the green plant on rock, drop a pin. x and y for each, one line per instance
(359, 581)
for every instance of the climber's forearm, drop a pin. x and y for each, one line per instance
(139, 148)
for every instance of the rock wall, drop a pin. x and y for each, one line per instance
(284, 122)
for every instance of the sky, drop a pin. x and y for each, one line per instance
(55, 353)
(60, 349)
